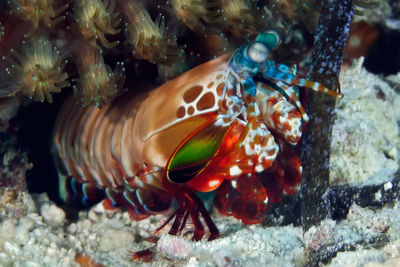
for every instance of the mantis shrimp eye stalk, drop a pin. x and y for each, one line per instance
(38, 12)
(149, 39)
(258, 52)
(98, 84)
(37, 71)
(264, 44)
(94, 19)
(270, 38)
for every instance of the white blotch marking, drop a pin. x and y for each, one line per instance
(234, 183)
(387, 186)
(213, 183)
(257, 148)
(259, 168)
(302, 82)
(265, 200)
(378, 196)
(235, 171)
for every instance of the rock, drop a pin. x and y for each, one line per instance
(365, 142)
(112, 239)
(52, 215)
(173, 247)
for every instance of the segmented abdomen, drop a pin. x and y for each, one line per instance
(95, 147)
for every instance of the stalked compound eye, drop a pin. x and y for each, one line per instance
(257, 52)
(270, 38)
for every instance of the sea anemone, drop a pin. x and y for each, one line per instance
(97, 84)
(37, 71)
(38, 12)
(93, 19)
(149, 39)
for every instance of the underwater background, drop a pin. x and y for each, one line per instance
(346, 210)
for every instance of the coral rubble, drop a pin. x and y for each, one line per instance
(365, 142)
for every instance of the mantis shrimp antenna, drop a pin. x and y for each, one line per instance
(252, 60)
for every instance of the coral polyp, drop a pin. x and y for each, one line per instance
(97, 83)
(196, 13)
(37, 71)
(241, 16)
(94, 19)
(149, 38)
(38, 12)
(305, 12)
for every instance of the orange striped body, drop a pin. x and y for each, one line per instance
(135, 148)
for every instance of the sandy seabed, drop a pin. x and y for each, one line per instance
(365, 149)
